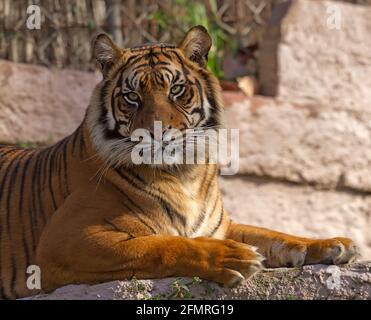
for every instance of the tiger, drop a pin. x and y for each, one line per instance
(83, 213)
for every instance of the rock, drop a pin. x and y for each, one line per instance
(303, 143)
(316, 60)
(41, 105)
(299, 210)
(310, 282)
(318, 52)
(231, 97)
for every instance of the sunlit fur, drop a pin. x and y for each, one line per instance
(83, 213)
(151, 71)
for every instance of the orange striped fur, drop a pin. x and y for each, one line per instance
(83, 213)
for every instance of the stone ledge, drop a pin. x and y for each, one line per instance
(310, 282)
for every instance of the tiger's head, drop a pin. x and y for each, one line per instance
(155, 82)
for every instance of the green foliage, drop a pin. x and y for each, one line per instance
(91, 25)
(181, 290)
(138, 287)
(27, 145)
(185, 14)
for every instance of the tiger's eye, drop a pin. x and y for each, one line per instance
(177, 89)
(132, 96)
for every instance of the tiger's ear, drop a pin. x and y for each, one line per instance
(196, 45)
(105, 51)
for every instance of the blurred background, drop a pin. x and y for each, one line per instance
(236, 26)
(296, 77)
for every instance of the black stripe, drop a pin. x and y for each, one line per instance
(65, 169)
(132, 60)
(31, 206)
(118, 229)
(21, 214)
(58, 163)
(215, 108)
(4, 154)
(201, 109)
(2, 224)
(191, 94)
(35, 174)
(181, 62)
(165, 54)
(44, 166)
(74, 139)
(168, 209)
(162, 68)
(218, 224)
(135, 206)
(108, 134)
(39, 184)
(160, 79)
(13, 177)
(50, 176)
(202, 216)
(161, 63)
(82, 143)
(177, 76)
(12, 180)
(4, 160)
(139, 68)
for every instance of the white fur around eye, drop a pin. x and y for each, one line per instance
(132, 101)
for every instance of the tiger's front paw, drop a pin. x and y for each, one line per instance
(229, 262)
(332, 251)
(299, 253)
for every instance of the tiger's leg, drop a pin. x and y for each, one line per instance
(111, 255)
(281, 249)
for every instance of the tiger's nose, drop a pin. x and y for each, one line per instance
(157, 132)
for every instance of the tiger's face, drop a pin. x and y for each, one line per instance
(153, 83)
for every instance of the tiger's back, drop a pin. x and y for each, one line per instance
(33, 184)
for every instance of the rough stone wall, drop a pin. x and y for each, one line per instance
(318, 52)
(41, 105)
(303, 143)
